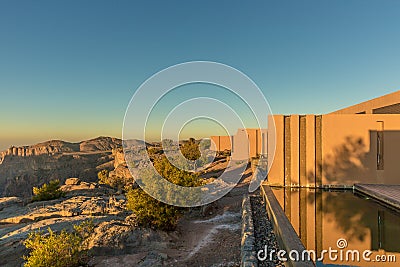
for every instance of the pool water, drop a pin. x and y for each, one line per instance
(343, 221)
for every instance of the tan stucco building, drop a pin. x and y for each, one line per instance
(221, 143)
(245, 144)
(358, 144)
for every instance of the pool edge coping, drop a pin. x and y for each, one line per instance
(285, 234)
(382, 199)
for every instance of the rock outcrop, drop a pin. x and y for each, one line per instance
(82, 201)
(57, 146)
(116, 231)
(21, 168)
(121, 169)
(46, 148)
(100, 144)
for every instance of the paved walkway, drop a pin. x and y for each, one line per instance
(389, 194)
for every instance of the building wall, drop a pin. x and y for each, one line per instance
(220, 143)
(275, 150)
(350, 146)
(241, 145)
(247, 143)
(387, 104)
(254, 142)
(335, 150)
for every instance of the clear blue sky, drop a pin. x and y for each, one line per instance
(69, 68)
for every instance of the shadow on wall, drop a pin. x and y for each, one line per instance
(354, 162)
(348, 163)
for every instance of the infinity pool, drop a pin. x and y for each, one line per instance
(343, 221)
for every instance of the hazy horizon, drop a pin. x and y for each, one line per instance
(81, 140)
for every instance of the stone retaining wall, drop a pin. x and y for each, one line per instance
(247, 251)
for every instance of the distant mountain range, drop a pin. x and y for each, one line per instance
(21, 168)
(58, 146)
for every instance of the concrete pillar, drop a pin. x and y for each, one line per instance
(295, 148)
(319, 134)
(310, 151)
(275, 150)
(302, 151)
(264, 138)
(241, 145)
(287, 144)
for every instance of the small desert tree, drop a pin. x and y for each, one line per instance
(151, 212)
(176, 175)
(59, 250)
(48, 191)
(191, 151)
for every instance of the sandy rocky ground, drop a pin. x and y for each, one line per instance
(208, 236)
(204, 237)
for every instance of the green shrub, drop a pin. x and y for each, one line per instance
(48, 191)
(190, 150)
(176, 175)
(156, 214)
(113, 181)
(103, 176)
(151, 212)
(59, 250)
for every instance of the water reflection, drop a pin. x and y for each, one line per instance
(320, 218)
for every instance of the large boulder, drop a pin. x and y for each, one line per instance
(72, 181)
